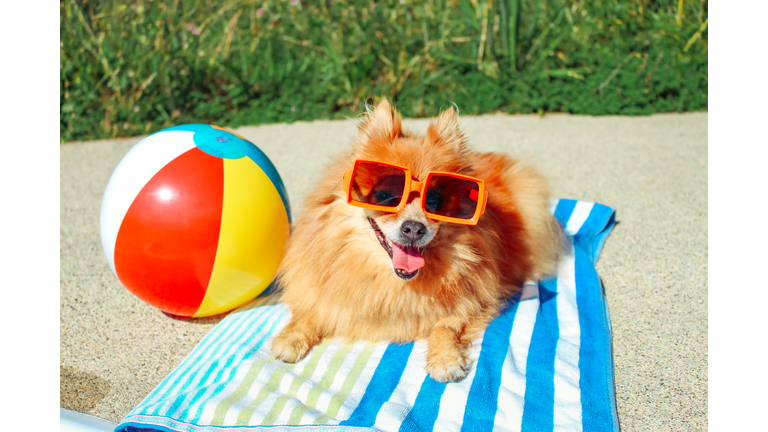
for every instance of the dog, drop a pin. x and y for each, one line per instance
(404, 274)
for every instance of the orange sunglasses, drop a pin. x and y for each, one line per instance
(447, 197)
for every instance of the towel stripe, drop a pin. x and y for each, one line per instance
(339, 398)
(567, 408)
(347, 396)
(275, 412)
(279, 384)
(540, 370)
(302, 391)
(595, 357)
(194, 373)
(564, 210)
(224, 374)
(217, 409)
(330, 374)
(509, 414)
(245, 384)
(289, 399)
(539, 407)
(383, 383)
(230, 407)
(341, 378)
(454, 400)
(275, 378)
(485, 387)
(393, 411)
(204, 349)
(299, 381)
(316, 389)
(567, 395)
(576, 219)
(595, 230)
(200, 377)
(359, 387)
(424, 413)
(236, 325)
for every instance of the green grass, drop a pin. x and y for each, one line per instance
(133, 68)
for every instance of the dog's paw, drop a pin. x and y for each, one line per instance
(450, 365)
(291, 347)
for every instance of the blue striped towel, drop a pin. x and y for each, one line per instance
(545, 364)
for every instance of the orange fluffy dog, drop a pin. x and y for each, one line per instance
(371, 275)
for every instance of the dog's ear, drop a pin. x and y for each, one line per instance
(446, 131)
(382, 122)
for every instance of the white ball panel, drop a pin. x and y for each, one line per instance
(133, 172)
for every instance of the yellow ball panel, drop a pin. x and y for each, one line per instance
(254, 230)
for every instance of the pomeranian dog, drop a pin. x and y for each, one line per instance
(414, 237)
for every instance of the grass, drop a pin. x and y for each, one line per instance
(131, 68)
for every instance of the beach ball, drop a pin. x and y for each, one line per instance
(194, 220)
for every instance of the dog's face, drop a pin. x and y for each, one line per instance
(405, 237)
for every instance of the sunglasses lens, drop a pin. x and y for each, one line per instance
(377, 184)
(451, 197)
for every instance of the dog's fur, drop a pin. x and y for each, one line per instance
(338, 280)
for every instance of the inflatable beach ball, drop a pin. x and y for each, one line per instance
(194, 220)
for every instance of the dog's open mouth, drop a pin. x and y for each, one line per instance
(406, 260)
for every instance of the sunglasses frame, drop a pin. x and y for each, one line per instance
(411, 186)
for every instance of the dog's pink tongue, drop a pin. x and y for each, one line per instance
(407, 258)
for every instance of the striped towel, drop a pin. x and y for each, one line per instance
(544, 364)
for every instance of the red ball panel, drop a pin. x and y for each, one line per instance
(166, 247)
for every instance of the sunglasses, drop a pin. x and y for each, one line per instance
(445, 196)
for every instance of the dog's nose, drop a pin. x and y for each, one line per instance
(413, 230)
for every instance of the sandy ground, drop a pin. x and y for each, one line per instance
(653, 170)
